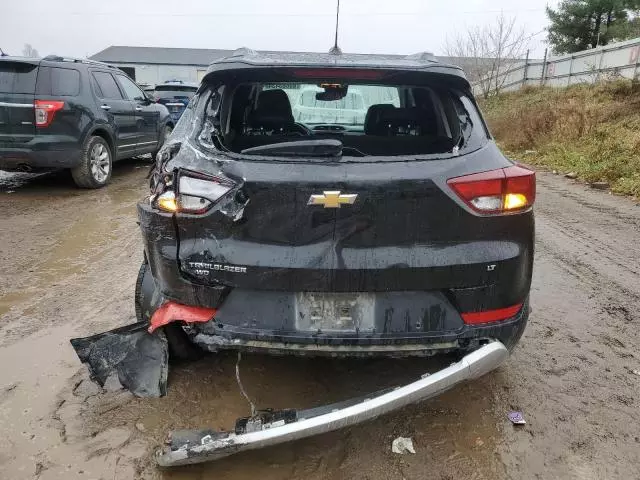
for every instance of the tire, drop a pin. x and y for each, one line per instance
(180, 347)
(97, 164)
(164, 134)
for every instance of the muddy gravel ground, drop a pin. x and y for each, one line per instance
(69, 260)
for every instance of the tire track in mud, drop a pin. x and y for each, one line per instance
(611, 270)
(580, 342)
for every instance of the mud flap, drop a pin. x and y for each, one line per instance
(269, 427)
(138, 359)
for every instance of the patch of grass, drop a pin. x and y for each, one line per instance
(592, 130)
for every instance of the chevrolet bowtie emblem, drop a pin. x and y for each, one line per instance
(333, 199)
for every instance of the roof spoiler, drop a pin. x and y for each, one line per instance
(243, 51)
(422, 57)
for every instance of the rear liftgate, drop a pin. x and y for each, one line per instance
(138, 359)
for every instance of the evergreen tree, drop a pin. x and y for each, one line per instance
(581, 24)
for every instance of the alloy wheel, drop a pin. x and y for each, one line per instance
(100, 162)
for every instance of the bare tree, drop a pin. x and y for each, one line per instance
(29, 51)
(487, 51)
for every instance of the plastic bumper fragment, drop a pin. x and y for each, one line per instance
(273, 427)
(130, 354)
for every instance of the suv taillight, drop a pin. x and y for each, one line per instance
(46, 110)
(506, 190)
(195, 194)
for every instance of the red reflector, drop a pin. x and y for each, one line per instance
(45, 111)
(173, 312)
(489, 316)
(338, 73)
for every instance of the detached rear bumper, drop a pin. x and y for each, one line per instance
(271, 428)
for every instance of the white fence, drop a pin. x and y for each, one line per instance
(589, 66)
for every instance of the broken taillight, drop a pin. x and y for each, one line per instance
(505, 190)
(195, 194)
(45, 111)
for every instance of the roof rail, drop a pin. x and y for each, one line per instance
(422, 57)
(58, 58)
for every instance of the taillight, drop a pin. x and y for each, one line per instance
(195, 194)
(506, 190)
(46, 110)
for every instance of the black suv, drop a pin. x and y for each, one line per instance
(403, 232)
(77, 114)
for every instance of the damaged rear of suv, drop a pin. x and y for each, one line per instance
(403, 233)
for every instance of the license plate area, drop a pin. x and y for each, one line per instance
(335, 312)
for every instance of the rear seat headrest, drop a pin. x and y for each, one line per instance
(372, 124)
(273, 110)
(403, 121)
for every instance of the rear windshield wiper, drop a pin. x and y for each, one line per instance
(302, 148)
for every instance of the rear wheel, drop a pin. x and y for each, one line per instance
(95, 168)
(180, 347)
(164, 134)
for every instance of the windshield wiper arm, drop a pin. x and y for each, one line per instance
(301, 148)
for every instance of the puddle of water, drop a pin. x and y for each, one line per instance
(34, 371)
(88, 238)
(10, 299)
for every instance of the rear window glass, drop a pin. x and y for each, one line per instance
(108, 88)
(65, 81)
(170, 91)
(18, 77)
(368, 119)
(354, 100)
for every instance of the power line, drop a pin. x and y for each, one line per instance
(284, 14)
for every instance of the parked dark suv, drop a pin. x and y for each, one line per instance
(77, 114)
(175, 95)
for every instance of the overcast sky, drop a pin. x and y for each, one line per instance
(84, 27)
